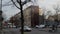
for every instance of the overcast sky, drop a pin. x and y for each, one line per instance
(11, 10)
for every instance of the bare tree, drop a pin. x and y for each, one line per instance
(46, 13)
(6, 3)
(18, 2)
(57, 9)
(21, 4)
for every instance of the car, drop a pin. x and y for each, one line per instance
(50, 26)
(26, 28)
(11, 26)
(40, 26)
(58, 26)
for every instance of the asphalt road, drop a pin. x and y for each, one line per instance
(34, 31)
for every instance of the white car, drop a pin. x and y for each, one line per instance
(26, 28)
(40, 26)
(10, 25)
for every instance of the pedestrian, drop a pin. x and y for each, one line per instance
(56, 24)
(1, 19)
(53, 28)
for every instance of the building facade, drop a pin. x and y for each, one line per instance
(31, 16)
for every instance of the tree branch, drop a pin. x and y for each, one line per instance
(15, 4)
(18, 1)
(23, 3)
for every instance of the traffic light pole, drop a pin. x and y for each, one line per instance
(22, 18)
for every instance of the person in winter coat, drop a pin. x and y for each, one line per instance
(1, 19)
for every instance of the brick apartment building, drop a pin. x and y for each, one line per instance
(31, 16)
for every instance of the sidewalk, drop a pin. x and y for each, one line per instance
(47, 29)
(10, 31)
(34, 31)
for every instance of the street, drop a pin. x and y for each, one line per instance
(34, 31)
